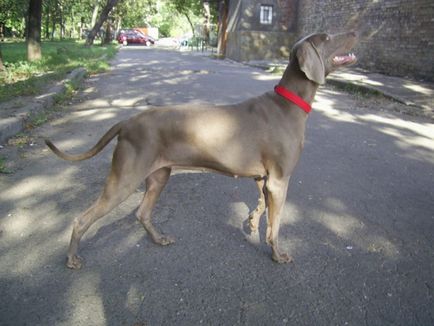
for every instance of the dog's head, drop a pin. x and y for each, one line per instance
(320, 54)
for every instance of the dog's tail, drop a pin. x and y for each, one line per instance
(109, 135)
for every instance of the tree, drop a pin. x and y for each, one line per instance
(189, 8)
(2, 67)
(95, 13)
(135, 13)
(222, 27)
(33, 30)
(102, 18)
(207, 20)
(12, 14)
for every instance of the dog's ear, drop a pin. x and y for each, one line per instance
(310, 62)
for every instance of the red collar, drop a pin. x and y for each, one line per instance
(294, 98)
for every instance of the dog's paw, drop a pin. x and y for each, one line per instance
(281, 258)
(164, 240)
(74, 262)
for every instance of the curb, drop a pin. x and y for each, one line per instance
(11, 126)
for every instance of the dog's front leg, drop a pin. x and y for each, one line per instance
(276, 189)
(256, 214)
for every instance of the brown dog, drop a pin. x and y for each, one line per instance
(260, 138)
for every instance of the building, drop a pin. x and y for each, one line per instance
(259, 30)
(397, 36)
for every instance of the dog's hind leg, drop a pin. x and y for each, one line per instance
(123, 179)
(256, 214)
(154, 186)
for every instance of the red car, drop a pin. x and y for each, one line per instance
(134, 37)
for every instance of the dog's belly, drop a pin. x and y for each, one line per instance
(231, 161)
(211, 170)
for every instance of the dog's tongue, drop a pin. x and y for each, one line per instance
(343, 59)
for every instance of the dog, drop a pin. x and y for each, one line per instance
(260, 138)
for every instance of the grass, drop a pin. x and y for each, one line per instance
(357, 90)
(3, 166)
(58, 58)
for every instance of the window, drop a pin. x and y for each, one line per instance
(266, 15)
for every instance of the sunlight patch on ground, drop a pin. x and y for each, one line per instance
(85, 301)
(133, 240)
(103, 116)
(99, 103)
(335, 204)
(262, 77)
(177, 80)
(29, 251)
(416, 138)
(23, 222)
(239, 213)
(290, 214)
(16, 226)
(130, 101)
(419, 89)
(138, 78)
(342, 226)
(134, 300)
(355, 232)
(33, 186)
(326, 106)
(89, 90)
(357, 77)
(93, 114)
(121, 66)
(372, 82)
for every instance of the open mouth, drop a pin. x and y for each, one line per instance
(348, 59)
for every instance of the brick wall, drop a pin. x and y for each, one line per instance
(397, 35)
(248, 39)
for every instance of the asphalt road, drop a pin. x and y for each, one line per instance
(358, 220)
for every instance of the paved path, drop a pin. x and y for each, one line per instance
(358, 220)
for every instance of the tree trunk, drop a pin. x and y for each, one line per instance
(2, 27)
(118, 25)
(206, 24)
(33, 37)
(95, 13)
(53, 26)
(191, 24)
(223, 25)
(108, 34)
(61, 21)
(47, 22)
(80, 36)
(102, 18)
(73, 28)
(2, 67)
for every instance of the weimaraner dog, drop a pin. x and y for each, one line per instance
(261, 138)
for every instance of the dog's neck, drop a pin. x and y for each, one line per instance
(296, 81)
